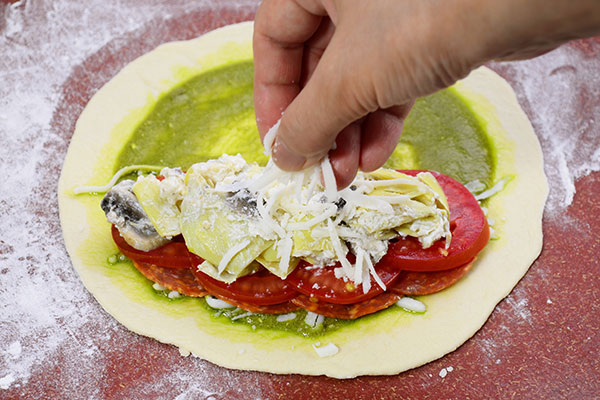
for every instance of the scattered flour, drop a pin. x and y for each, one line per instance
(519, 305)
(14, 349)
(6, 381)
(49, 321)
(560, 91)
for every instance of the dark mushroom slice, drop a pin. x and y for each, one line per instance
(124, 210)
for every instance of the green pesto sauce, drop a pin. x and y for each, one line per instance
(212, 113)
(445, 136)
(296, 326)
(199, 120)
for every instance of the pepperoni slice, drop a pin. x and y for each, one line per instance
(347, 311)
(413, 283)
(262, 309)
(178, 279)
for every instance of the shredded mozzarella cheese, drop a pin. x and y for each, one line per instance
(217, 303)
(493, 190)
(339, 251)
(313, 319)
(329, 180)
(410, 304)
(243, 315)
(306, 210)
(328, 350)
(374, 273)
(284, 252)
(269, 138)
(286, 317)
(229, 254)
(118, 175)
(358, 267)
(330, 211)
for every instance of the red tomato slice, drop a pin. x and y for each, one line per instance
(259, 288)
(321, 283)
(171, 255)
(469, 227)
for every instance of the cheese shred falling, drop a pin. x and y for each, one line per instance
(305, 216)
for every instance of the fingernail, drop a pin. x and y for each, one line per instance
(285, 158)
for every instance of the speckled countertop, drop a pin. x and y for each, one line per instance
(542, 341)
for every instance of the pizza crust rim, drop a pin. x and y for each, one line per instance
(397, 347)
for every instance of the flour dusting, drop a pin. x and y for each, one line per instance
(559, 91)
(49, 321)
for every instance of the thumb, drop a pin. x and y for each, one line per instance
(322, 109)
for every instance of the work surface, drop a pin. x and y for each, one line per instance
(542, 341)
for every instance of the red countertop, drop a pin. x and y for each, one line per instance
(542, 341)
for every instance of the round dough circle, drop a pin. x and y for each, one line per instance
(391, 344)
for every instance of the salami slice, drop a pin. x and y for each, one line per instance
(347, 311)
(263, 309)
(414, 283)
(178, 279)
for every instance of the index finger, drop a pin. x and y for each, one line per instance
(281, 28)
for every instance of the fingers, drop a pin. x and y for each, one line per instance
(344, 158)
(325, 106)
(380, 134)
(280, 31)
(314, 49)
(307, 63)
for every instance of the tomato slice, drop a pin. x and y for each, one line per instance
(469, 227)
(259, 288)
(171, 255)
(321, 283)
(347, 311)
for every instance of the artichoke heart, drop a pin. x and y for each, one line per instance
(240, 217)
(270, 260)
(213, 227)
(160, 200)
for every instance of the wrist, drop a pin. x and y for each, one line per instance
(512, 29)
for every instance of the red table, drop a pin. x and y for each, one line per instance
(542, 341)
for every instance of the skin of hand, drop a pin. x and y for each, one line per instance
(347, 72)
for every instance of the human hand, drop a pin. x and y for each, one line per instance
(345, 72)
(348, 71)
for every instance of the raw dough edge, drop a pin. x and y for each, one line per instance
(395, 349)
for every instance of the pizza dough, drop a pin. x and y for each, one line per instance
(382, 344)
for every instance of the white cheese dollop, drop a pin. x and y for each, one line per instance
(217, 303)
(286, 317)
(328, 350)
(410, 304)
